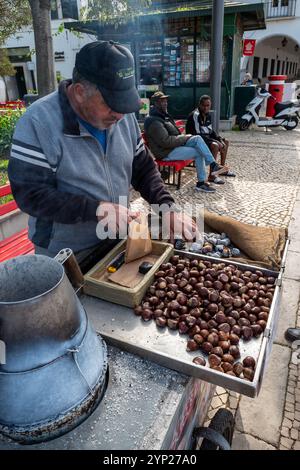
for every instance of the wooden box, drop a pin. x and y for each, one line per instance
(97, 283)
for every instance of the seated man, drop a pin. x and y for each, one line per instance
(167, 143)
(199, 123)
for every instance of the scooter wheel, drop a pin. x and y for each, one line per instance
(292, 124)
(244, 124)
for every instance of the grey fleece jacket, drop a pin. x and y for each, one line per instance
(59, 172)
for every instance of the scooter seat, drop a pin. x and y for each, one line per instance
(281, 106)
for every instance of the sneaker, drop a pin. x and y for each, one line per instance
(218, 170)
(204, 187)
(216, 180)
(229, 173)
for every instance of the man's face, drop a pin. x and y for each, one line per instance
(162, 105)
(95, 111)
(205, 107)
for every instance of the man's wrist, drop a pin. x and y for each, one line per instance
(175, 208)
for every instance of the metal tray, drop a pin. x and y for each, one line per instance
(120, 327)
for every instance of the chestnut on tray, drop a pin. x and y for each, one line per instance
(215, 305)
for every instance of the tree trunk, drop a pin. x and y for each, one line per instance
(41, 11)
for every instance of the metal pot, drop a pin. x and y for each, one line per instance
(55, 368)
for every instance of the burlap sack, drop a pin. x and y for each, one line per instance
(262, 245)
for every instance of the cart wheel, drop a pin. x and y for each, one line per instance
(218, 435)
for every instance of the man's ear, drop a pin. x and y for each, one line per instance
(79, 92)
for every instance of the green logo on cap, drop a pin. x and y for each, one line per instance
(125, 73)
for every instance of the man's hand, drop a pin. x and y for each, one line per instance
(181, 225)
(115, 217)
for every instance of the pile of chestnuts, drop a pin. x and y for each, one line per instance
(215, 304)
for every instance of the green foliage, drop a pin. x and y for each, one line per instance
(8, 119)
(113, 11)
(6, 67)
(14, 14)
(4, 180)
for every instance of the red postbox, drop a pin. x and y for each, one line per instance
(276, 88)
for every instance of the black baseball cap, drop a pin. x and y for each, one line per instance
(110, 66)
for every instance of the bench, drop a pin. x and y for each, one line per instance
(171, 170)
(17, 244)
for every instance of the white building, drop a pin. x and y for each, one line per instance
(21, 46)
(277, 48)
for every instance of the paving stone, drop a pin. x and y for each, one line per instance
(288, 308)
(290, 407)
(287, 423)
(294, 434)
(233, 402)
(220, 390)
(254, 416)
(297, 415)
(292, 268)
(285, 432)
(216, 402)
(224, 398)
(286, 442)
(296, 445)
(243, 441)
(297, 406)
(289, 415)
(290, 398)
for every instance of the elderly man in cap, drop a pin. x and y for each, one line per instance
(168, 144)
(77, 151)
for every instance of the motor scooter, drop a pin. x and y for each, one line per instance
(286, 113)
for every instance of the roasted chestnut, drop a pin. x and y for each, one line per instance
(200, 361)
(249, 361)
(192, 345)
(214, 360)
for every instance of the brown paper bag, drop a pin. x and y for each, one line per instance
(139, 242)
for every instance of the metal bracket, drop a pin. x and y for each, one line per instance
(67, 258)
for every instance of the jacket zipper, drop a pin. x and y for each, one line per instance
(103, 155)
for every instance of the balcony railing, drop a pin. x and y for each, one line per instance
(280, 9)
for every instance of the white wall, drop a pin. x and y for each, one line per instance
(2, 90)
(66, 42)
(276, 29)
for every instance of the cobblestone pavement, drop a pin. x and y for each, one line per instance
(264, 192)
(265, 188)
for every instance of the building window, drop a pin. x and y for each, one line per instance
(282, 68)
(275, 3)
(19, 54)
(187, 59)
(291, 67)
(202, 60)
(265, 67)
(278, 68)
(284, 3)
(287, 68)
(69, 9)
(54, 10)
(255, 67)
(272, 68)
(151, 62)
(172, 65)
